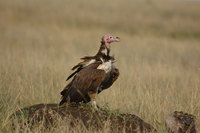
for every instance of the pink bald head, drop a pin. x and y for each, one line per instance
(107, 39)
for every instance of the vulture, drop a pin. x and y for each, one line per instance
(92, 75)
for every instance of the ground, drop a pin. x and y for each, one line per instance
(158, 56)
(51, 116)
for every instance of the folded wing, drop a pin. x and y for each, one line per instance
(84, 85)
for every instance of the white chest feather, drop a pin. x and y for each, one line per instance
(104, 51)
(106, 66)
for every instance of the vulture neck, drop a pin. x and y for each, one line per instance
(103, 51)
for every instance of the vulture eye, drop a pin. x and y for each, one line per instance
(110, 37)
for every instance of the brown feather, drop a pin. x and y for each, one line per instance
(87, 80)
(112, 77)
(88, 58)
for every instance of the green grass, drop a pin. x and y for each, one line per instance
(158, 56)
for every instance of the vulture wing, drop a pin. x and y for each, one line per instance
(87, 61)
(84, 85)
(74, 73)
(111, 78)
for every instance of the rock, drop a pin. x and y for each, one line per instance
(179, 122)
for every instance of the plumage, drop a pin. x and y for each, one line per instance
(85, 82)
(92, 75)
(103, 53)
(82, 81)
(110, 79)
(80, 66)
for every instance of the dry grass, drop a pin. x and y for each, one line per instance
(158, 56)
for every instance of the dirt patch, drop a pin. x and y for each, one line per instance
(82, 114)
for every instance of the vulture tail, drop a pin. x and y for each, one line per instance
(62, 102)
(64, 93)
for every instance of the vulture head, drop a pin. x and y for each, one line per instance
(107, 39)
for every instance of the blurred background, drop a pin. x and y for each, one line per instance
(158, 56)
